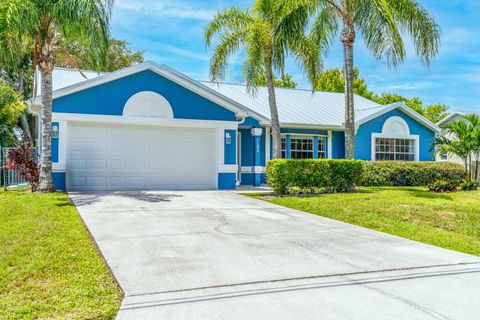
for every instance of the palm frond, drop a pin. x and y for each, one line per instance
(228, 20)
(422, 26)
(85, 21)
(229, 42)
(376, 21)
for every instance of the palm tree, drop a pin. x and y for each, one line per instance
(43, 21)
(462, 139)
(474, 123)
(267, 37)
(380, 23)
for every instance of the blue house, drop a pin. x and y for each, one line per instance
(151, 127)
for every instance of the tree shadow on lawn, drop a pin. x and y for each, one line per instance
(429, 194)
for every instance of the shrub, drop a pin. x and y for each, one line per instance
(443, 186)
(468, 186)
(311, 174)
(405, 173)
(23, 160)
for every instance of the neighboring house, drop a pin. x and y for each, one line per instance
(151, 127)
(452, 117)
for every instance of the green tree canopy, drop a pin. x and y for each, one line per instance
(74, 55)
(285, 81)
(436, 112)
(11, 107)
(333, 80)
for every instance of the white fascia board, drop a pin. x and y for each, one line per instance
(167, 72)
(450, 116)
(312, 126)
(400, 105)
(150, 121)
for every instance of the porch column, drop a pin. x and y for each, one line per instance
(315, 147)
(287, 147)
(257, 166)
(329, 145)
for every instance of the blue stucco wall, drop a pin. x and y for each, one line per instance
(59, 181)
(227, 181)
(230, 156)
(250, 122)
(248, 147)
(110, 98)
(363, 138)
(338, 144)
(55, 145)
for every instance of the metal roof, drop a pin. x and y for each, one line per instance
(63, 77)
(297, 106)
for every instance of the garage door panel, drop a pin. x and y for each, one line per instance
(127, 157)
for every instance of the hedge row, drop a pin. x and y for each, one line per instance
(309, 175)
(343, 175)
(405, 173)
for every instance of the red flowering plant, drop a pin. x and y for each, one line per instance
(23, 160)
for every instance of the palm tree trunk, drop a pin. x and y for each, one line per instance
(348, 38)
(275, 122)
(46, 67)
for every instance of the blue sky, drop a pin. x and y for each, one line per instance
(171, 32)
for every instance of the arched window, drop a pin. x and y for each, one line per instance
(395, 142)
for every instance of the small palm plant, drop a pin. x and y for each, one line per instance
(462, 139)
(268, 37)
(42, 22)
(380, 23)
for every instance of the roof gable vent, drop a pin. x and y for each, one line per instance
(148, 104)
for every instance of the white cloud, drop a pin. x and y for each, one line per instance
(172, 50)
(163, 8)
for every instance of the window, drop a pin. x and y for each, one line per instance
(394, 149)
(284, 148)
(301, 147)
(322, 147)
(444, 157)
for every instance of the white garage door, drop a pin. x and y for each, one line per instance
(118, 157)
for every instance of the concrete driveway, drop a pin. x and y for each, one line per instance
(220, 255)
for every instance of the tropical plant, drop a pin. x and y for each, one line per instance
(268, 37)
(23, 160)
(462, 139)
(11, 108)
(43, 21)
(381, 23)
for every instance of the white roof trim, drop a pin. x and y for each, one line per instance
(400, 105)
(170, 74)
(450, 116)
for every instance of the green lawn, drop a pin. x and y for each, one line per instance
(446, 220)
(49, 266)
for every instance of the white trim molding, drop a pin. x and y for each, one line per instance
(257, 132)
(400, 105)
(131, 120)
(253, 169)
(329, 145)
(267, 144)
